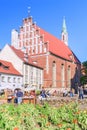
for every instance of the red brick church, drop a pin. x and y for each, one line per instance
(61, 67)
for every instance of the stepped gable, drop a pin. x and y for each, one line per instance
(58, 48)
(21, 55)
(7, 68)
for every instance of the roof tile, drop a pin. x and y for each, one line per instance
(7, 68)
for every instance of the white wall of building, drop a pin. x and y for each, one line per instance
(31, 74)
(10, 81)
(8, 55)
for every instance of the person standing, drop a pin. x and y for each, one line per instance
(19, 96)
(71, 92)
(15, 97)
(81, 92)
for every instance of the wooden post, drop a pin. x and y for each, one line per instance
(6, 93)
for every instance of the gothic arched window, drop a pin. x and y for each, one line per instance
(69, 77)
(62, 76)
(54, 74)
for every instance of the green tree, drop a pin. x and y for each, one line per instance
(83, 78)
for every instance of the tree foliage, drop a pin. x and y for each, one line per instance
(83, 78)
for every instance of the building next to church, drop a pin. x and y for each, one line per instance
(32, 73)
(9, 77)
(61, 67)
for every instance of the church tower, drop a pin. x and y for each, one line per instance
(64, 34)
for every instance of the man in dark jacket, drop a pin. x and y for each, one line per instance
(19, 96)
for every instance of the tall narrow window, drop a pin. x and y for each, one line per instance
(40, 47)
(26, 74)
(19, 80)
(69, 77)
(62, 76)
(63, 38)
(9, 79)
(54, 74)
(76, 75)
(45, 47)
(14, 80)
(31, 75)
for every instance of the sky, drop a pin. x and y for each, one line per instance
(48, 15)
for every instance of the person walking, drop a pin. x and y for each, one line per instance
(43, 93)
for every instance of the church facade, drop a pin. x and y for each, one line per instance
(61, 67)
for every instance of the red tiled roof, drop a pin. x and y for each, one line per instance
(7, 68)
(57, 47)
(21, 55)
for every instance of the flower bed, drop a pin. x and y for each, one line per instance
(42, 117)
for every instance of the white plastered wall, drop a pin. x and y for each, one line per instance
(8, 55)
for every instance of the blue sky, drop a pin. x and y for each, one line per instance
(48, 14)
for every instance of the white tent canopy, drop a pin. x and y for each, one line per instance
(29, 88)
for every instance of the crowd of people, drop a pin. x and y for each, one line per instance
(71, 92)
(65, 92)
(19, 94)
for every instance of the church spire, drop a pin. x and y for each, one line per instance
(64, 25)
(64, 35)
